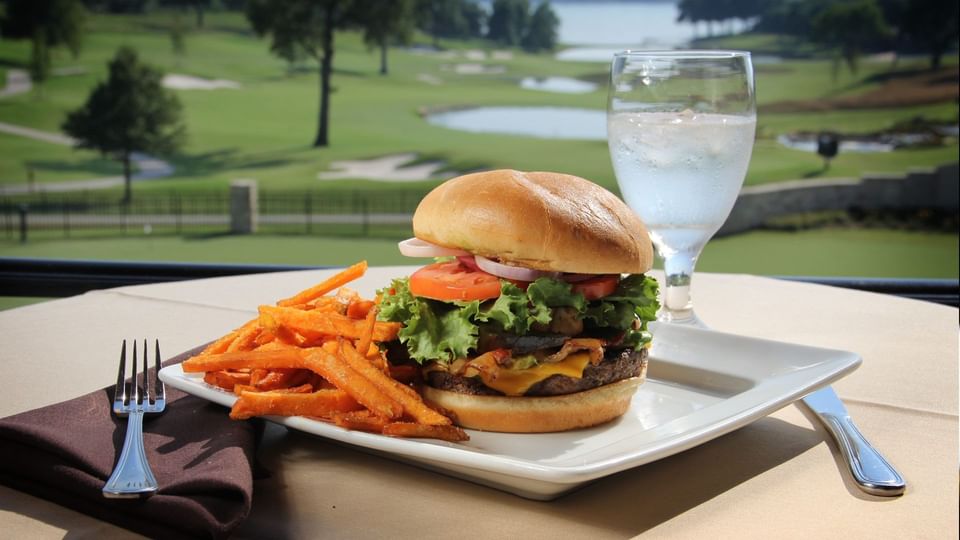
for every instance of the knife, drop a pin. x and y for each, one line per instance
(871, 472)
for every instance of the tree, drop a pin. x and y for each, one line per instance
(198, 7)
(178, 38)
(541, 34)
(508, 21)
(474, 17)
(711, 11)
(383, 22)
(933, 24)
(850, 27)
(792, 17)
(449, 19)
(47, 24)
(306, 27)
(130, 112)
(116, 6)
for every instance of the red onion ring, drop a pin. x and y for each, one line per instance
(415, 247)
(468, 262)
(510, 272)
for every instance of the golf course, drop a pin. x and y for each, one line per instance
(260, 120)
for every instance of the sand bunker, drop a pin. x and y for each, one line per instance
(474, 69)
(186, 82)
(385, 168)
(429, 79)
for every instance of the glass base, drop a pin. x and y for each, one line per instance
(685, 317)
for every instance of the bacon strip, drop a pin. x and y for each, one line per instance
(594, 346)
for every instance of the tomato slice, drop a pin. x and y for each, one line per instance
(597, 287)
(454, 281)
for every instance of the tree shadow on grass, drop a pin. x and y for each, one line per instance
(923, 77)
(93, 167)
(12, 63)
(231, 159)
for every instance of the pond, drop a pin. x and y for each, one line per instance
(591, 124)
(605, 55)
(541, 122)
(562, 85)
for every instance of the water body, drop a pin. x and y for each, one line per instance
(590, 31)
(542, 122)
(562, 85)
(593, 31)
(621, 24)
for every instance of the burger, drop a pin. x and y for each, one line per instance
(533, 316)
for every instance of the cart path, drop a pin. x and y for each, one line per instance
(18, 82)
(149, 167)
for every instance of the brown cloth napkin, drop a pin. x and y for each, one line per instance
(203, 462)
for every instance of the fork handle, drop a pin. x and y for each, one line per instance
(132, 476)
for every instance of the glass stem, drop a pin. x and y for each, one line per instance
(677, 303)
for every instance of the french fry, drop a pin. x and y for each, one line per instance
(322, 403)
(319, 355)
(263, 359)
(404, 395)
(227, 380)
(413, 429)
(347, 379)
(246, 337)
(316, 325)
(326, 286)
(366, 338)
(224, 342)
(257, 375)
(362, 420)
(359, 308)
(283, 378)
(304, 388)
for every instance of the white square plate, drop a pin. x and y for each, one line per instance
(700, 385)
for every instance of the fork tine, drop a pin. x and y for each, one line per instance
(145, 377)
(120, 391)
(134, 384)
(157, 383)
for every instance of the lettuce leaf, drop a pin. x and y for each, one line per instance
(445, 331)
(511, 309)
(431, 329)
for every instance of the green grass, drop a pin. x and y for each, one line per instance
(49, 162)
(836, 252)
(825, 252)
(264, 130)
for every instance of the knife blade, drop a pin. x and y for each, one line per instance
(872, 473)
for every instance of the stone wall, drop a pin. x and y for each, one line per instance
(935, 188)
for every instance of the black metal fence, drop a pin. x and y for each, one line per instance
(307, 212)
(53, 278)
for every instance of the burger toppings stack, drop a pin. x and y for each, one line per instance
(533, 316)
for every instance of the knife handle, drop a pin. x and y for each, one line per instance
(874, 475)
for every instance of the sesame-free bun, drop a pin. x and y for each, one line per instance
(541, 220)
(537, 414)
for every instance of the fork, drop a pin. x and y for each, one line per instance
(132, 476)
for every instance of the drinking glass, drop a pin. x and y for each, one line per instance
(680, 127)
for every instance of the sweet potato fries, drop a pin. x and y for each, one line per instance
(318, 355)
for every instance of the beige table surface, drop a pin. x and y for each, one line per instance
(778, 477)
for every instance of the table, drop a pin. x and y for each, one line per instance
(779, 475)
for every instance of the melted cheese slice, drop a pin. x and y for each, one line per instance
(515, 382)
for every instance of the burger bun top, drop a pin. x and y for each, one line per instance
(541, 220)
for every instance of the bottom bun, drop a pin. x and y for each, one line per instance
(537, 414)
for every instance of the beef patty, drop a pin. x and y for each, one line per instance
(616, 365)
